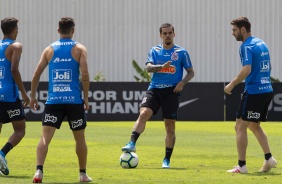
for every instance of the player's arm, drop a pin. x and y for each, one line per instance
(15, 60)
(150, 67)
(43, 62)
(245, 71)
(190, 74)
(84, 73)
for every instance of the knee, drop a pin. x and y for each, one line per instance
(20, 133)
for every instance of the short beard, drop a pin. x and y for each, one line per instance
(168, 43)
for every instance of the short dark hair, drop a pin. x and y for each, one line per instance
(8, 25)
(242, 22)
(166, 25)
(66, 24)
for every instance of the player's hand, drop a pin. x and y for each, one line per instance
(179, 87)
(86, 104)
(228, 88)
(166, 65)
(26, 100)
(33, 104)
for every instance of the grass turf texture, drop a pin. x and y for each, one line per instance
(202, 154)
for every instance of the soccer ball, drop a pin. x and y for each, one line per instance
(128, 160)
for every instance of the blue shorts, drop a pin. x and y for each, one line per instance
(54, 115)
(11, 111)
(164, 98)
(254, 107)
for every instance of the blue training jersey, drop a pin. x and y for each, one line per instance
(64, 84)
(168, 77)
(255, 52)
(9, 91)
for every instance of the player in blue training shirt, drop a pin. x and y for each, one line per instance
(257, 94)
(166, 63)
(11, 107)
(65, 59)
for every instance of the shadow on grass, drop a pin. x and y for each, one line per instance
(264, 174)
(15, 177)
(174, 168)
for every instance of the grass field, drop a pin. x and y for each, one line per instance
(202, 154)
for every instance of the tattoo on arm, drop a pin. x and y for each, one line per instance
(188, 77)
(153, 68)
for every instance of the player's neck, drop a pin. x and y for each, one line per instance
(168, 47)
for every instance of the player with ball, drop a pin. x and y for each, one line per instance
(166, 63)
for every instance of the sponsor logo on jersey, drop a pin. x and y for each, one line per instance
(75, 124)
(57, 60)
(49, 118)
(2, 59)
(62, 75)
(0, 85)
(264, 66)
(63, 98)
(61, 89)
(265, 80)
(13, 113)
(2, 72)
(264, 54)
(253, 115)
(170, 70)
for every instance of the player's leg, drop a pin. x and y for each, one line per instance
(169, 141)
(241, 135)
(261, 104)
(149, 106)
(52, 120)
(77, 122)
(18, 123)
(42, 150)
(169, 105)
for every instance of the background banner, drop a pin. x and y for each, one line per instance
(120, 101)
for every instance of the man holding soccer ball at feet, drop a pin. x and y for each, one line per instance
(166, 63)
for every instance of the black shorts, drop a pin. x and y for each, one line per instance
(54, 115)
(254, 107)
(11, 111)
(164, 98)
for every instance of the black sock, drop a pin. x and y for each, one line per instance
(267, 156)
(168, 152)
(40, 167)
(6, 148)
(134, 136)
(82, 171)
(241, 163)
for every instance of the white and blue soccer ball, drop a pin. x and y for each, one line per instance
(128, 160)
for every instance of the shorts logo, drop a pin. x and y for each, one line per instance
(48, 118)
(75, 124)
(63, 75)
(2, 72)
(253, 115)
(13, 113)
(144, 100)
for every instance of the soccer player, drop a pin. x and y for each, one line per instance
(11, 107)
(166, 63)
(257, 94)
(67, 62)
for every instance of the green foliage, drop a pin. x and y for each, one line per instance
(202, 154)
(274, 80)
(99, 77)
(145, 76)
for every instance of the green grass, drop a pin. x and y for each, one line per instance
(202, 154)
